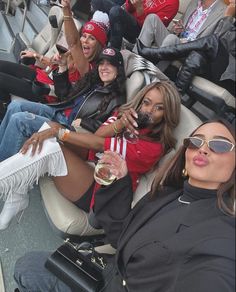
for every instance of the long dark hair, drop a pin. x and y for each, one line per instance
(163, 132)
(92, 79)
(170, 174)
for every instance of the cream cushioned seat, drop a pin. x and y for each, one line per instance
(215, 90)
(47, 37)
(63, 214)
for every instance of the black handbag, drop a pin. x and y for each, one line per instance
(79, 266)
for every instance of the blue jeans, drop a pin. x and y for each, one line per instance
(22, 119)
(32, 276)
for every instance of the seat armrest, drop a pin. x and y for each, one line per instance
(212, 89)
(24, 40)
(63, 214)
(134, 83)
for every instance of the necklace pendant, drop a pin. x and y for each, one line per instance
(182, 201)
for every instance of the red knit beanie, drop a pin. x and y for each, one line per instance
(97, 29)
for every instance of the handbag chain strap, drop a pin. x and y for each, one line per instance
(87, 249)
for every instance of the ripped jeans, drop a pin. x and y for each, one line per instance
(22, 119)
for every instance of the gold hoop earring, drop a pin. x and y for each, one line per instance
(184, 172)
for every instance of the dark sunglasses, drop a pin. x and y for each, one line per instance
(215, 145)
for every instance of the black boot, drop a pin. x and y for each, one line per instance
(194, 63)
(208, 44)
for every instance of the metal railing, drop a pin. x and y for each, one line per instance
(16, 3)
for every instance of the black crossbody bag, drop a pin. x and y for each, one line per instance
(79, 266)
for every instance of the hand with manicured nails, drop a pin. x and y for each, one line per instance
(117, 165)
(37, 139)
(128, 120)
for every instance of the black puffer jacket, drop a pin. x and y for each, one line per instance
(96, 107)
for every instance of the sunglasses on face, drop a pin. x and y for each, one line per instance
(215, 145)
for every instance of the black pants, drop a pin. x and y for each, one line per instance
(16, 79)
(122, 24)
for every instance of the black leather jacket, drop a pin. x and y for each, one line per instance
(89, 113)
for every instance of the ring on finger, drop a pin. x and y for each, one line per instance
(124, 122)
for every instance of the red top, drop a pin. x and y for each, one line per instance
(43, 77)
(140, 157)
(165, 9)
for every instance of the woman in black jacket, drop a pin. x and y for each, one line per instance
(180, 236)
(100, 100)
(93, 102)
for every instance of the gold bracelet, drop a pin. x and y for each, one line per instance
(67, 17)
(114, 127)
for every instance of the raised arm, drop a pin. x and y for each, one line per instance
(73, 39)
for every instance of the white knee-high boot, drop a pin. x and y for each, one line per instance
(13, 205)
(19, 172)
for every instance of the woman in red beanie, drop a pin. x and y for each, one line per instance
(86, 46)
(35, 83)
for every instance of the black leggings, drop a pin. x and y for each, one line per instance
(120, 20)
(16, 79)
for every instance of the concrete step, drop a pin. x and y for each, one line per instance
(36, 18)
(6, 34)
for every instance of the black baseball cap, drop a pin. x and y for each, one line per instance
(112, 55)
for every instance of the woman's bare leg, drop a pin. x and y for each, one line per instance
(79, 178)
